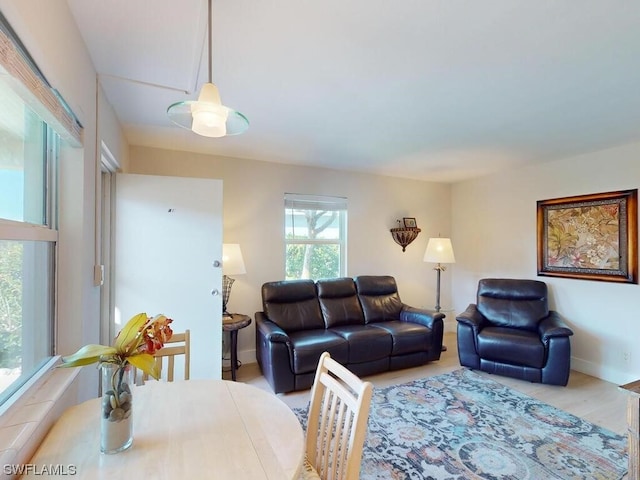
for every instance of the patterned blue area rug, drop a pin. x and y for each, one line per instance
(462, 426)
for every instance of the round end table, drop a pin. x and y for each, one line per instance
(232, 324)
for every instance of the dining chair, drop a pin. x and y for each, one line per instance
(179, 344)
(337, 422)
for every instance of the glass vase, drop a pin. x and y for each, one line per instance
(116, 424)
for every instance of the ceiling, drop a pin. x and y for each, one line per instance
(440, 90)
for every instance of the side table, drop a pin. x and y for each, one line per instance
(232, 324)
(633, 428)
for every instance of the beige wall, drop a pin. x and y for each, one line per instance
(494, 234)
(253, 217)
(110, 132)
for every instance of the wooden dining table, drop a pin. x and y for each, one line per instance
(186, 429)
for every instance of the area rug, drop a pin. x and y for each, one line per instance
(462, 425)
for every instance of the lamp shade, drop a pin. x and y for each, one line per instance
(439, 250)
(207, 116)
(232, 261)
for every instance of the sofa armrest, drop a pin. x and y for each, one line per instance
(553, 326)
(273, 354)
(421, 316)
(471, 317)
(269, 330)
(430, 319)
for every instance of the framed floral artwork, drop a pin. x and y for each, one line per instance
(591, 237)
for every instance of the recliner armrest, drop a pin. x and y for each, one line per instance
(553, 326)
(420, 316)
(270, 330)
(472, 317)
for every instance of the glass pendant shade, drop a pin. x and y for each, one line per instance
(207, 116)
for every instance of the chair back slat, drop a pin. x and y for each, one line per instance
(337, 421)
(170, 352)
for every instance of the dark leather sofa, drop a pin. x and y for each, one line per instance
(510, 331)
(361, 322)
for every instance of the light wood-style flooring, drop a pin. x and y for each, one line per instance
(595, 400)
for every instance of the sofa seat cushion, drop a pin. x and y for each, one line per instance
(511, 345)
(366, 343)
(306, 347)
(406, 337)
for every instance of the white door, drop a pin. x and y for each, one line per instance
(168, 243)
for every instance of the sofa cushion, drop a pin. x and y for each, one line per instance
(513, 303)
(292, 305)
(379, 298)
(406, 337)
(306, 347)
(339, 303)
(366, 343)
(510, 345)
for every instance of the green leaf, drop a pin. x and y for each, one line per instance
(129, 332)
(146, 363)
(87, 355)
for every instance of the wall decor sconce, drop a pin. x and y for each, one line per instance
(406, 232)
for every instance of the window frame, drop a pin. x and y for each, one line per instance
(47, 232)
(301, 202)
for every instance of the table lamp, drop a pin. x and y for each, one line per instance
(232, 264)
(439, 251)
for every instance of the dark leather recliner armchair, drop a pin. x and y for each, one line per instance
(510, 331)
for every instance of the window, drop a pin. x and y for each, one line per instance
(315, 236)
(28, 153)
(34, 123)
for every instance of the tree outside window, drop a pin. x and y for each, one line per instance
(315, 237)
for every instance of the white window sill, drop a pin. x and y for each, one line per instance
(26, 422)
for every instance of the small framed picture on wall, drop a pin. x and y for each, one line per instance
(409, 222)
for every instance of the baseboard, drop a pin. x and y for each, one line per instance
(450, 326)
(603, 373)
(247, 356)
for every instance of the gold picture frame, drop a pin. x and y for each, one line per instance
(590, 237)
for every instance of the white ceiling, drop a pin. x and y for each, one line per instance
(438, 90)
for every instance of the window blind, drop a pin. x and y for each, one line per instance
(314, 202)
(20, 73)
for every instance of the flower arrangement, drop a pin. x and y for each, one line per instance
(136, 344)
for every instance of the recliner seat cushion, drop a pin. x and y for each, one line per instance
(366, 343)
(510, 345)
(379, 298)
(292, 305)
(306, 346)
(513, 303)
(339, 303)
(407, 337)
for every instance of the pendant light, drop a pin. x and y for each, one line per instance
(207, 116)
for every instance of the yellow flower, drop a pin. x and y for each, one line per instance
(136, 343)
